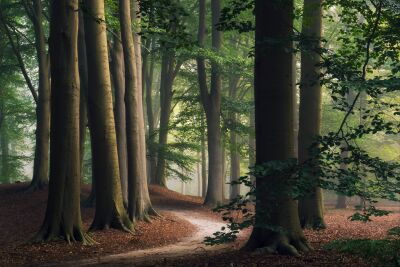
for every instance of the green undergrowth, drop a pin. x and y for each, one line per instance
(385, 252)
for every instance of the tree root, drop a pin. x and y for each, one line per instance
(279, 244)
(76, 235)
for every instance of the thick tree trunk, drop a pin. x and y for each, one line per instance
(274, 130)
(117, 70)
(63, 215)
(311, 207)
(234, 144)
(110, 211)
(211, 102)
(41, 160)
(139, 204)
(252, 143)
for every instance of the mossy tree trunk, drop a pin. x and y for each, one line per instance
(139, 204)
(42, 135)
(63, 215)
(110, 211)
(211, 102)
(117, 70)
(277, 226)
(311, 206)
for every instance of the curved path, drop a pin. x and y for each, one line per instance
(191, 245)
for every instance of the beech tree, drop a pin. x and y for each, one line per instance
(110, 211)
(277, 226)
(311, 208)
(211, 101)
(139, 204)
(63, 215)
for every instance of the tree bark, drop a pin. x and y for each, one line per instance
(42, 135)
(110, 211)
(139, 204)
(4, 143)
(63, 215)
(169, 71)
(203, 158)
(274, 130)
(211, 102)
(118, 75)
(148, 75)
(234, 144)
(311, 207)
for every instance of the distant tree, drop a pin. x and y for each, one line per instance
(211, 101)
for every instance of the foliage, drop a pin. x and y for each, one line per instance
(383, 252)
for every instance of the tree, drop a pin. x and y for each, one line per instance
(311, 207)
(117, 71)
(110, 211)
(41, 161)
(277, 226)
(139, 204)
(211, 102)
(63, 215)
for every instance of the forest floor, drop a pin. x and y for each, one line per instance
(175, 239)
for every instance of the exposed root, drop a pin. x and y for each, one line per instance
(120, 223)
(278, 244)
(76, 235)
(314, 224)
(36, 186)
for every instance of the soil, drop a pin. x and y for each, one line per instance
(175, 239)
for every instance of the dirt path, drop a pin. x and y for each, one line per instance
(193, 245)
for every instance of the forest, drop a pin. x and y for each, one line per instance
(199, 133)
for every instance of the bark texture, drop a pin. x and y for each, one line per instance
(139, 204)
(118, 75)
(110, 211)
(277, 226)
(211, 102)
(41, 160)
(63, 215)
(311, 207)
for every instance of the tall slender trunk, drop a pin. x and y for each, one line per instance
(83, 116)
(4, 143)
(117, 70)
(41, 160)
(166, 94)
(274, 129)
(148, 75)
(311, 207)
(203, 159)
(211, 102)
(63, 214)
(139, 204)
(110, 211)
(234, 144)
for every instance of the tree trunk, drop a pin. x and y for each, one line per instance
(274, 130)
(4, 142)
(41, 160)
(166, 94)
(311, 207)
(110, 211)
(211, 102)
(203, 158)
(148, 74)
(234, 145)
(117, 70)
(139, 204)
(83, 114)
(341, 202)
(63, 215)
